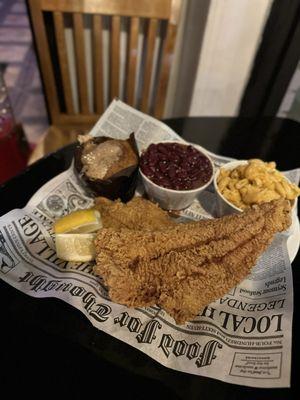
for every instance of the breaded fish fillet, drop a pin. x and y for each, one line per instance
(186, 267)
(137, 214)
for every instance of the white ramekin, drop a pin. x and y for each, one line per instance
(170, 199)
(224, 207)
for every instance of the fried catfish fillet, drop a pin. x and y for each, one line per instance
(186, 267)
(137, 214)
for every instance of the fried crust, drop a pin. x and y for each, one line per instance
(137, 214)
(187, 266)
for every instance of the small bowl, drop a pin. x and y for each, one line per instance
(224, 207)
(170, 199)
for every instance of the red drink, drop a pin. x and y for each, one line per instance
(13, 154)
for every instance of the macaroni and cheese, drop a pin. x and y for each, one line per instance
(254, 183)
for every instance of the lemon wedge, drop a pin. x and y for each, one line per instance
(76, 247)
(81, 221)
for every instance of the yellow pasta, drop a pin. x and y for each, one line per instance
(254, 183)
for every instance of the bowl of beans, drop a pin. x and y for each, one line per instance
(174, 173)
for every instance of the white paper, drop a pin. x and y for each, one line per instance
(244, 338)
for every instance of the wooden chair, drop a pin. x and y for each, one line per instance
(146, 67)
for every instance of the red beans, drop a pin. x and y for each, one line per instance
(176, 166)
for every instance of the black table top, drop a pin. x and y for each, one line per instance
(49, 346)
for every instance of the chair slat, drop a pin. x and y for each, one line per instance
(63, 60)
(115, 57)
(136, 8)
(98, 64)
(80, 62)
(45, 59)
(151, 35)
(132, 60)
(166, 62)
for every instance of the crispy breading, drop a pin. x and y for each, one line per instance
(137, 214)
(186, 267)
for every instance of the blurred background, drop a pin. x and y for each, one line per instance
(229, 58)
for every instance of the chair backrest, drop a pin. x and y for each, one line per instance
(91, 51)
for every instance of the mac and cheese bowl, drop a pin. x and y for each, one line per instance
(242, 184)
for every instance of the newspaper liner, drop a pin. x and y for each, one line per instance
(243, 338)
